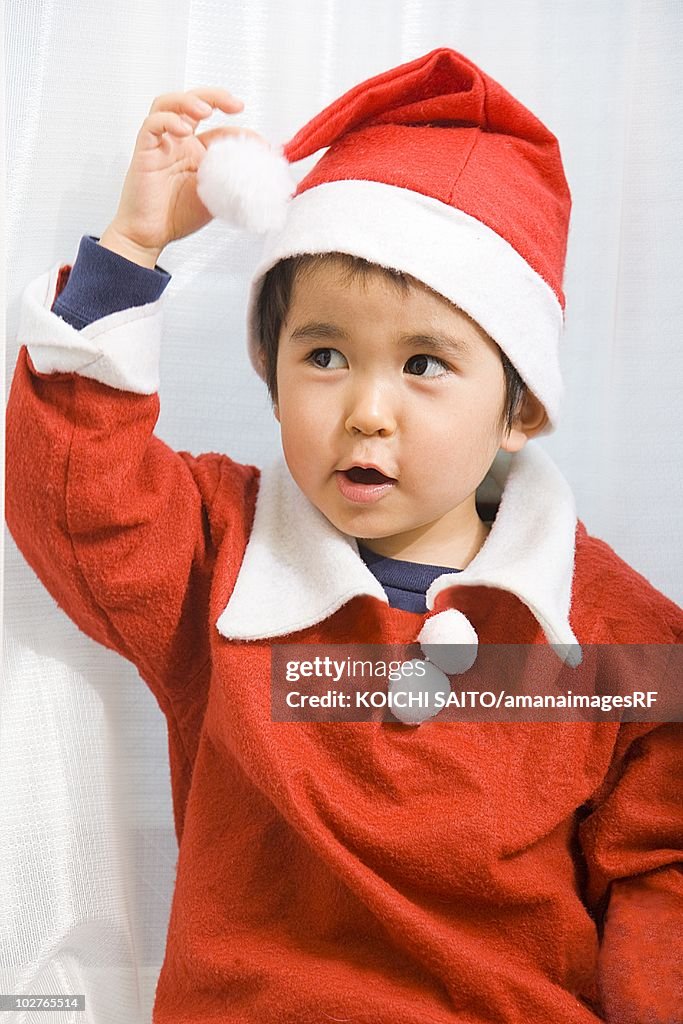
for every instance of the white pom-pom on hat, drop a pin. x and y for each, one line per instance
(246, 182)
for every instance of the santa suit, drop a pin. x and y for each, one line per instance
(367, 871)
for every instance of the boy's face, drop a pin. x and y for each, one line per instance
(354, 392)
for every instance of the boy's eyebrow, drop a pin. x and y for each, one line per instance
(434, 341)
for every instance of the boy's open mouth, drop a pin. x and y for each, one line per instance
(357, 475)
(363, 486)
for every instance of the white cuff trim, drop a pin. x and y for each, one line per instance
(121, 350)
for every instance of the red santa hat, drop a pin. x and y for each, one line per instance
(432, 168)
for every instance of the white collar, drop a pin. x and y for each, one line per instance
(298, 568)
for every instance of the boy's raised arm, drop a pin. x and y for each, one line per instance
(111, 519)
(115, 523)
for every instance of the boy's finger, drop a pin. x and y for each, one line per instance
(213, 96)
(165, 121)
(217, 97)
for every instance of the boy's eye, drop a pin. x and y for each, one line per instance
(324, 363)
(322, 358)
(422, 361)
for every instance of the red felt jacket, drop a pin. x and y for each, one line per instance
(472, 873)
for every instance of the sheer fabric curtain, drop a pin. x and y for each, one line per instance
(87, 847)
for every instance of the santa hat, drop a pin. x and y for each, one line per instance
(432, 169)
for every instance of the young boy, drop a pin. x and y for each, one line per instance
(405, 317)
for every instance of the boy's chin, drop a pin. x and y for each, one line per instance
(354, 523)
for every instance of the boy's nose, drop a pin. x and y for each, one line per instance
(370, 411)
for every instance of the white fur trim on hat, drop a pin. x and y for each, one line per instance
(448, 250)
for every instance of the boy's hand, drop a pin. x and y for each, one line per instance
(159, 201)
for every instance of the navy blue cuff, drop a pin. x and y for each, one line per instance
(103, 282)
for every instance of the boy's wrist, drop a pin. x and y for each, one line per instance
(119, 243)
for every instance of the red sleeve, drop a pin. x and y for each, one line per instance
(633, 845)
(116, 524)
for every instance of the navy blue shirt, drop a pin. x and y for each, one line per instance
(405, 583)
(103, 282)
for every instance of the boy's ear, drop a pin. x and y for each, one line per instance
(528, 422)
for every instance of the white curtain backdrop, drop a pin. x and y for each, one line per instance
(87, 847)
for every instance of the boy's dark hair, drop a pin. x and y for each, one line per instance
(275, 296)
